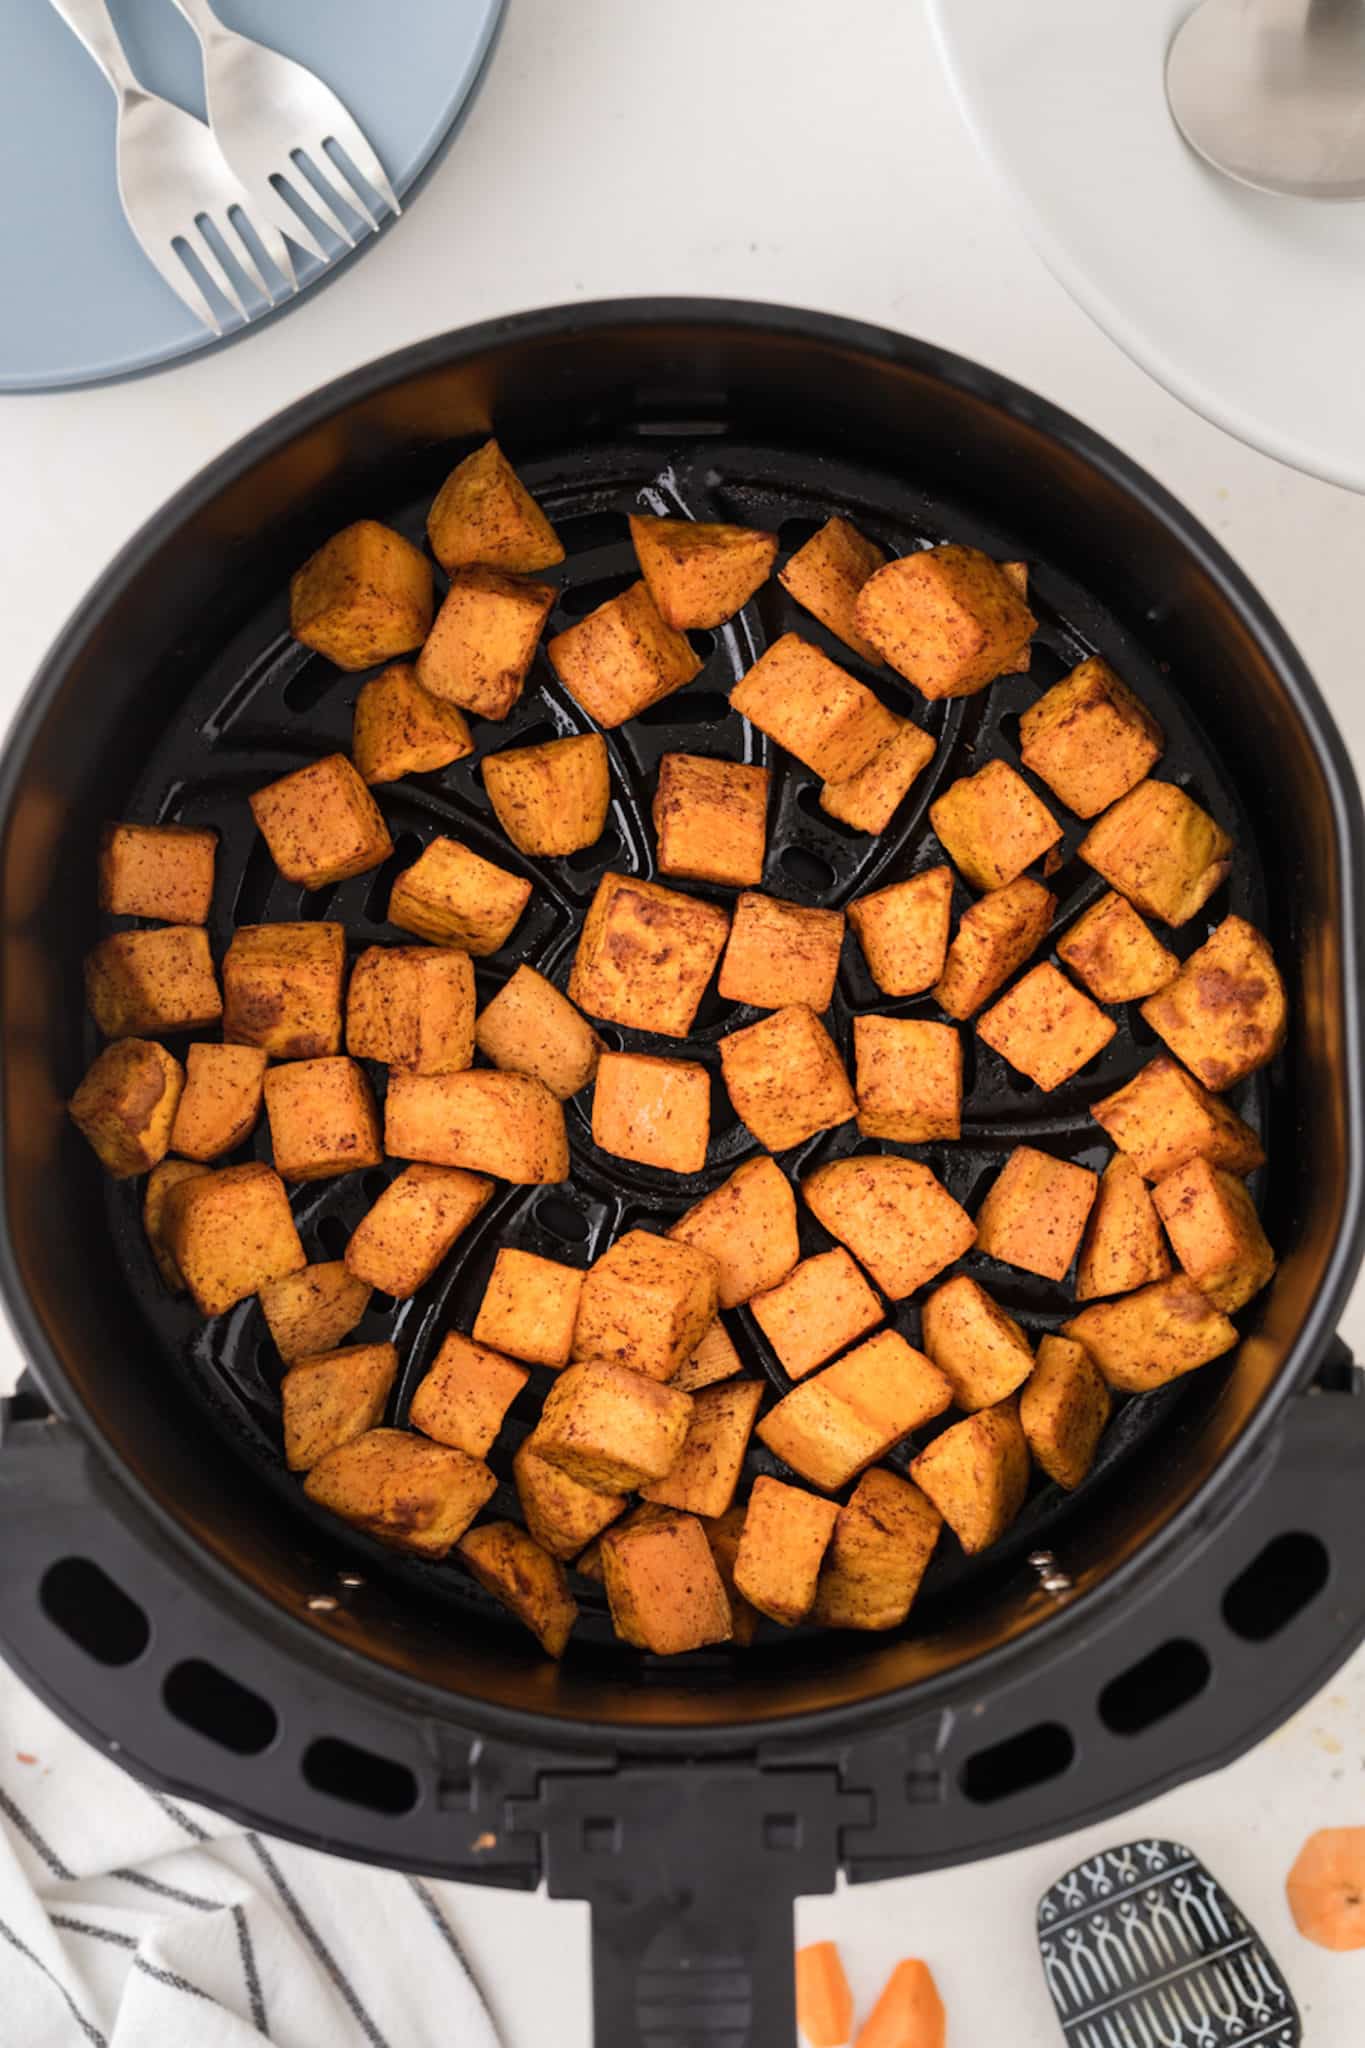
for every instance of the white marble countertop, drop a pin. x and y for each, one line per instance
(793, 151)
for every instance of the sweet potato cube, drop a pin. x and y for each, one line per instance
(333, 1397)
(993, 826)
(878, 1555)
(312, 1310)
(364, 597)
(646, 1304)
(610, 1428)
(714, 1359)
(401, 729)
(894, 1215)
(826, 574)
(645, 955)
(622, 658)
(454, 897)
(1063, 1410)
(412, 1007)
(483, 512)
(781, 953)
(162, 1178)
(891, 1383)
(125, 1106)
(868, 800)
(654, 1111)
(1211, 1221)
(1160, 850)
(398, 1244)
(1118, 956)
(822, 1439)
(1143, 1340)
(530, 1028)
(464, 1396)
(1225, 1014)
(512, 1566)
(484, 640)
(402, 1489)
(507, 1125)
(976, 1474)
(161, 871)
(908, 1078)
(1035, 1211)
(321, 823)
(996, 935)
(322, 1118)
(983, 1352)
(1046, 1028)
(141, 982)
(821, 1306)
(722, 1533)
(282, 989)
(785, 1078)
(1090, 739)
(948, 619)
(562, 1514)
(903, 931)
(552, 799)
(710, 818)
(665, 1593)
(812, 707)
(1123, 1247)
(748, 1225)
(699, 574)
(530, 1306)
(230, 1232)
(703, 1478)
(221, 1102)
(785, 1535)
(645, 1515)
(1163, 1118)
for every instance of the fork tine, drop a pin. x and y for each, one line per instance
(276, 199)
(271, 240)
(352, 186)
(318, 194)
(219, 271)
(237, 247)
(181, 279)
(352, 139)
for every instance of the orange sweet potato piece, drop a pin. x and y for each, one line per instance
(824, 2003)
(1326, 1889)
(909, 2013)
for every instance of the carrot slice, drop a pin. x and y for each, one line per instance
(1326, 1888)
(909, 2013)
(824, 2003)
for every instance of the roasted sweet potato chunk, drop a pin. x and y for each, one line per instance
(1160, 850)
(1035, 1211)
(464, 1396)
(282, 989)
(868, 800)
(454, 897)
(402, 1489)
(230, 1232)
(903, 931)
(530, 1307)
(908, 1079)
(1123, 1246)
(826, 574)
(530, 1028)
(1145, 1339)
(879, 1552)
(1063, 1410)
(1117, 956)
(1225, 1014)
(484, 640)
(656, 1112)
(714, 1359)
(812, 707)
(322, 1118)
(822, 1305)
(611, 1428)
(976, 1474)
(748, 1225)
(364, 597)
(511, 1565)
(622, 658)
(703, 1477)
(645, 955)
(894, 1215)
(785, 1535)
(483, 512)
(141, 982)
(781, 953)
(996, 935)
(333, 1397)
(785, 1079)
(401, 729)
(1090, 739)
(1046, 1028)
(160, 1181)
(699, 574)
(1211, 1221)
(221, 1102)
(647, 1303)
(508, 1125)
(982, 1352)
(838, 1422)
(710, 818)
(400, 1242)
(663, 1587)
(993, 826)
(321, 823)
(1163, 1118)
(552, 799)
(412, 1007)
(161, 871)
(948, 619)
(126, 1105)
(562, 1514)
(312, 1310)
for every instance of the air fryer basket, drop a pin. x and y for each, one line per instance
(177, 690)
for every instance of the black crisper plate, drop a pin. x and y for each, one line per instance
(267, 706)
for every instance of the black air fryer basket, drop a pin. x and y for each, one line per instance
(167, 1587)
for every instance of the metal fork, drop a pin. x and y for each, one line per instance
(273, 119)
(173, 179)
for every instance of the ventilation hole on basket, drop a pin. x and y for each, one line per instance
(317, 903)
(259, 877)
(382, 1304)
(540, 735)
(702, 642)
(220, 1708)
(1026, 1760)
(359, 1776)
(1155, 1687)
(794, 533)
(333, 1236)
(576, 604)
(693, 707)
(1276, 1586)
(589, 857)
(563, 1219)
(310, 685)
(808, 870)
(406, 848)
(85, 1604)
(375, 1184)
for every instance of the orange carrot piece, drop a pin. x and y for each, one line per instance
(1326, 1888)
(909, 2013)
(824, 2003)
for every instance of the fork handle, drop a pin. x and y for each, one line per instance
(91, 21)
(202, 19)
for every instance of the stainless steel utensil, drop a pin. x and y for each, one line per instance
(181, 199)
(274, 119)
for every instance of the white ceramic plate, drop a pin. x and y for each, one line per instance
(1249, 307)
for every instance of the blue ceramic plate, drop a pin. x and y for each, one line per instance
(82, 303)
